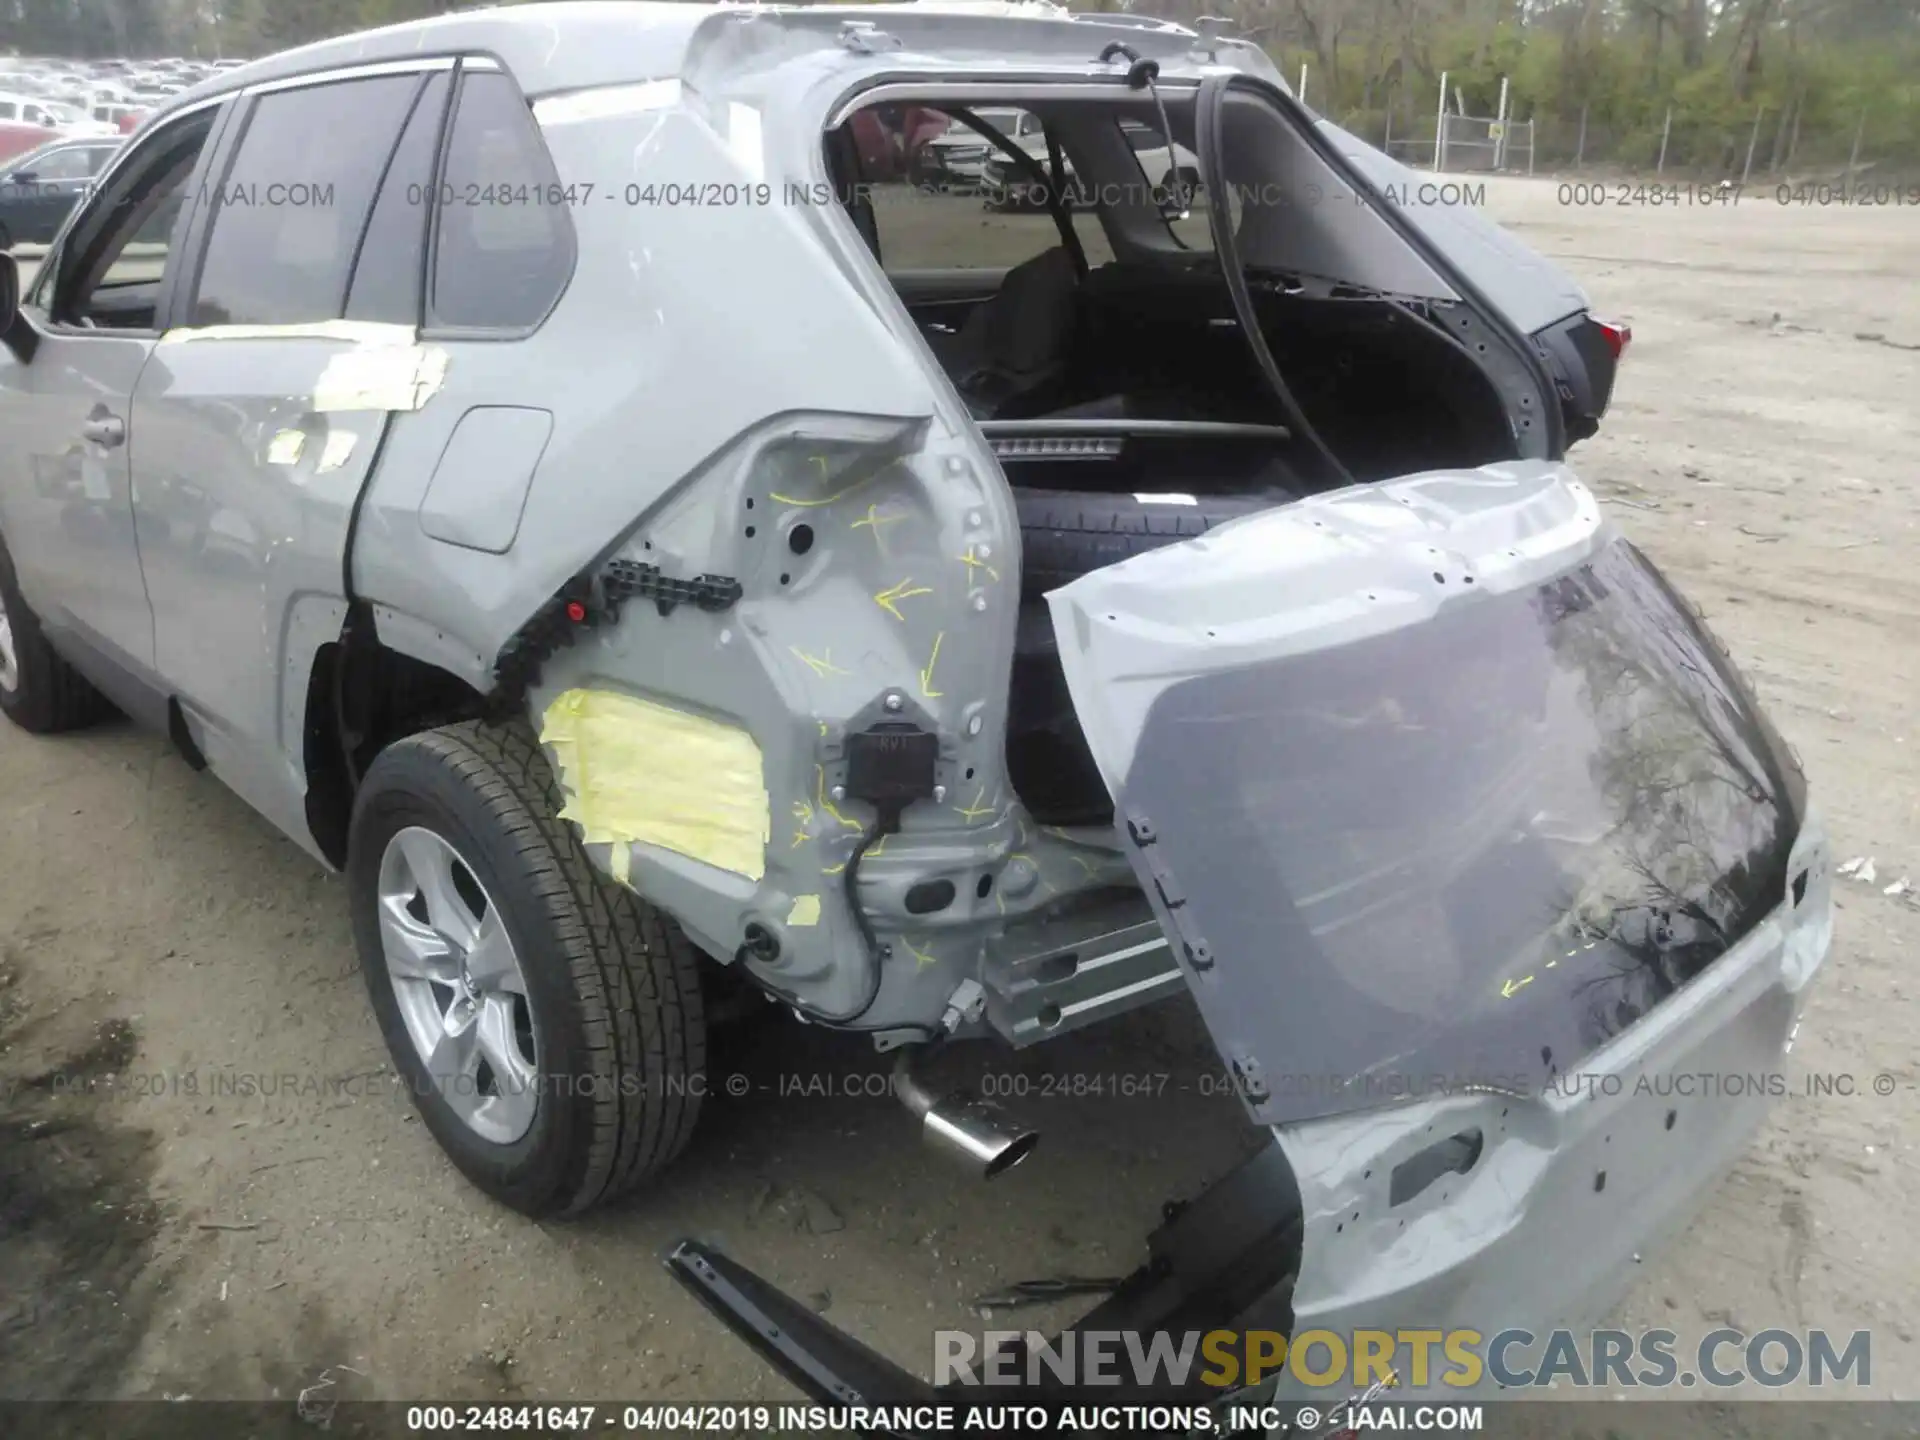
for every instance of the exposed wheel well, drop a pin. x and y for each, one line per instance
(361, 697)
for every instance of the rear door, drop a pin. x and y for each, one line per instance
(1434, 785)
(265, 403)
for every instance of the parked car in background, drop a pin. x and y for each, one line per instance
(1172, 171)
(114, 113)
(75, 122)
(958, 157)
(42, 186)
(17, 137)
(889, 136)
(28, 109)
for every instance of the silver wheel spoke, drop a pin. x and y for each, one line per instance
(454, 1062)
(415, 951)
(491, 961)
(458, 984)
(511, 1105)
(431, 861)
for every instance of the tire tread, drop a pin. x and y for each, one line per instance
(635, 973)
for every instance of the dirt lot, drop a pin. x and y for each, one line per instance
(158, 937)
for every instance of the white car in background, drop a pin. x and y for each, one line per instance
(1172, 170)
(958, 158)
(28, 109)
(77, 124)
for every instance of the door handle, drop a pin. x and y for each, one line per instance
(108, 430)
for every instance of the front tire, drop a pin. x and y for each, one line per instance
(547, 1021)
(39, 691)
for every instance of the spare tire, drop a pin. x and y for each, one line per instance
(1066, 533)
(1063, 535)
(1048, 761)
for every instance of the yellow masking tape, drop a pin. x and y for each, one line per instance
(805, 911)
(638, 772)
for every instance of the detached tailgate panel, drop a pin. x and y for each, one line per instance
(1433, 784)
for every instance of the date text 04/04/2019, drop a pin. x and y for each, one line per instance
(689, 1419)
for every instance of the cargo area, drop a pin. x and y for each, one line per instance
(1101, 348)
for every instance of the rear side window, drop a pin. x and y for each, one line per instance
(288, 217)
(503, 250)
(69, 164)
(393, 253)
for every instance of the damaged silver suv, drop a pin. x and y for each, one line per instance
(524, 457)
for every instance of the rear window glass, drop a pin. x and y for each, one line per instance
(392, 264)
(1469, 851)
(961, 202)
(502, 254)
(74, 163)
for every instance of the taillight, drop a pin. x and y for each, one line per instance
(1618, 337)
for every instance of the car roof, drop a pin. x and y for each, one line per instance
(77, 142)
(580, 44)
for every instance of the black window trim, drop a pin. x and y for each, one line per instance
(83, 224)
(386, 173)
(429, 329)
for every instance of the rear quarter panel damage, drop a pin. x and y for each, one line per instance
(757, 417)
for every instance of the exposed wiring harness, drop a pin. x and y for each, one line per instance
(886, 822)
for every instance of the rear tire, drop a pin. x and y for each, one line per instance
(39, 691)
(607, 1026)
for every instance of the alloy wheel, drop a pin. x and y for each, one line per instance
(459, 985)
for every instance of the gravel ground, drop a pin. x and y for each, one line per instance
(226, 1244)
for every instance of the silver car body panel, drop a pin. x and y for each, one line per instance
(1460, 1201)
(1386, 759)
(1575, 1187)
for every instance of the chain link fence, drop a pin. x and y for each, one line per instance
(1770, 144)
(1470, 145)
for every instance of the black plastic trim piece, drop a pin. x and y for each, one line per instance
(181, 736)
(826, 1363)
(593, 599)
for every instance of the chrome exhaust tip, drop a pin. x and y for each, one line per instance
(976, 1133)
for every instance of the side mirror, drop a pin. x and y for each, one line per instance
(15, 333)
(21, 177)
